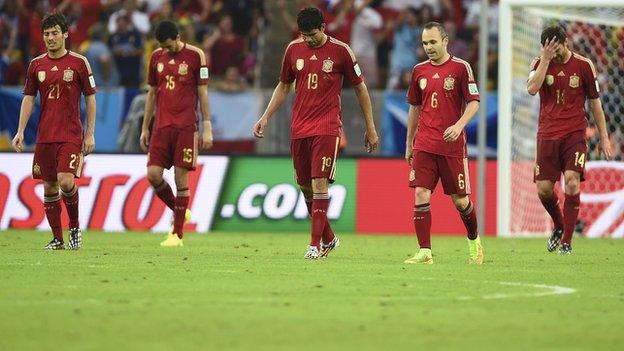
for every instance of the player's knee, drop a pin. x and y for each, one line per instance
(50, 187)
(154, 177)
(461, 202)
(572, 187)
(66, 183)
(544, 191)
(320, 185)
(422, 195)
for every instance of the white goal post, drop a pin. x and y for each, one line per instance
(593, 23)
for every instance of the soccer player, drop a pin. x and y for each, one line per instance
(564, 79)
(60, 76)
(443, 98)
(178, 78)
(318, 63)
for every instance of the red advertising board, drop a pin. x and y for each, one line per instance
(385, 202)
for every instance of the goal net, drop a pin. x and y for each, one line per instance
(595, 30)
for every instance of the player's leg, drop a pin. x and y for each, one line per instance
(44, 168)
(159, 158)
(571, 208)
(301, 152)
(547, 171)
(468, 215)
(329, 241)
(181, 200)
(423, 177)
(69, 167)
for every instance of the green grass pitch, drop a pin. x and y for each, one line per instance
(244, 291)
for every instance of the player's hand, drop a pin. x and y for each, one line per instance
(605, 145)
(549, 49)
(205, 142)
(409, 154)
(258, 128)
(144, 140)
(371, 140)
(88, 144)
(452, 133)
(18, 142)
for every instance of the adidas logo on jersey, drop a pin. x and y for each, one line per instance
(436, 76)
(54, 69)
(561, 74)
(313, 58)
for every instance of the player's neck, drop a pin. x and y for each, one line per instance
(441, 60)
(57, 53)
(323, 41)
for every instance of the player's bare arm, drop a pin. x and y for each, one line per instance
(453, 132)
(28, 104)
(204, 105)
(150, 102)
(412, 124)
(371, 139)
(277, 99)
(599, 117)
(536, 77)
(89, 140)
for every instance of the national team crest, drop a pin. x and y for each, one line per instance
(574, 81)
(299, 64)
(159, 67)
(449, 83)
(550, 79)
(422, 83)
(183, 69)
(68, 75)
(41, 76)
(328, 66)
(36, 169)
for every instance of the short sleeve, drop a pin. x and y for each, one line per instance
(469, 86)
(86, 78)
(30, 86)
(286, 73)
(152, 77)
(352, 70)
(202, 75)
(590, 80)
(414, 93)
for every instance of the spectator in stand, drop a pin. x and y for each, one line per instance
(80, 15)
(232, 81)
(363, 43)
(127, 47)
(231, 48)
(14, 72)
(139, 19)
(101, 59)
(37, 9)
(457, 47)
(406, 45)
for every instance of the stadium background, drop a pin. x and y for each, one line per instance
(244, 184)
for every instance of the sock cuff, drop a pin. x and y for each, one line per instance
(320, 196)
(183, 192)
(51, 197)
(422, 208)
(70, 193)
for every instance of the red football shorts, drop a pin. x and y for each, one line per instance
(314, 157)
(53, 158)
(557, 156)
(427, 168)
(173, 147)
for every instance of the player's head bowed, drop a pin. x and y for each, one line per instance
(167, 35)
(311, 26)
(54, 29)
(435, 41)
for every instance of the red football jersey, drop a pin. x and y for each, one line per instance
(176, 77)
(442, 92)
(563, 94)
(319, 74)
(59, 82)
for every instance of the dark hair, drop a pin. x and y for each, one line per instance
(309, 18)
(166, 30)
(438, 25)
(50, 20)
(557, 32)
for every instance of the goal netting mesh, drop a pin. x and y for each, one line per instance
(596, 33)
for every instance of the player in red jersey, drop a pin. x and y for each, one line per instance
(564, 79)
(178, 78)
(443, 98)
(60, 76)
(319, 64)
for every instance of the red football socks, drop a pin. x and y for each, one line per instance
(328, 233)
(570, 215)
(52, 207)
(469, 217)
(422, 225)
(70, 199)
(179, 210)
(551, 205)
(164, 192)
(320, 203)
